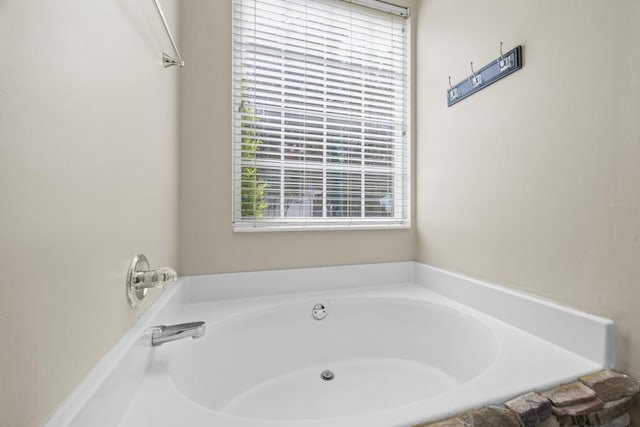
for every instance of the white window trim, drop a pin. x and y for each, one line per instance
(343, 223)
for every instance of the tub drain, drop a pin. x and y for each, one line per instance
(327, 375)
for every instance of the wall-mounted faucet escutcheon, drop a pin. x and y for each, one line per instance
(140, 278)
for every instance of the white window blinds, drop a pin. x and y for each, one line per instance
(320, 115)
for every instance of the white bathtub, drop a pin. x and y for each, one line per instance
(400, 352)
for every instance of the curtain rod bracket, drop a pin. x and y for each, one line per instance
(170, 61)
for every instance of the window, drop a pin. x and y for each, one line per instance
(320, 114)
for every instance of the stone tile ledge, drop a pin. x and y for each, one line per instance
(601, 399)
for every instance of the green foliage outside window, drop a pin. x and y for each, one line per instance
(252, 188)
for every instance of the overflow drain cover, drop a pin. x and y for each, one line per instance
(327, 375)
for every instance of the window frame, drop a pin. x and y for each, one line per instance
(332, 223)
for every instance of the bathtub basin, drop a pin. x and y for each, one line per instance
(383, 353)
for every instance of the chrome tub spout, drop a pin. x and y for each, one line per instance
(162, 334)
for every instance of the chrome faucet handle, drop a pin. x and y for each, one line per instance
(154, 278)
(140, 278)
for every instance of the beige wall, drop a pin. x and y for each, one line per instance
(207, 243)
(531, 183)
(534, 182)
(88, 178)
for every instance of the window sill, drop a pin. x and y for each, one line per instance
(252, 228)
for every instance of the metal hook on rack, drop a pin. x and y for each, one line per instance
(503, 62)
(453, 91)
(475, 79)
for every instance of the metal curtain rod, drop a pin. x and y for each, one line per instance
(383, 6)
(168, 60)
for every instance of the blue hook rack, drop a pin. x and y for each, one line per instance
(501, 67)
